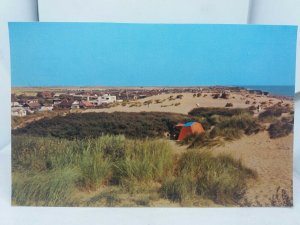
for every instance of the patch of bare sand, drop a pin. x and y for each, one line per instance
(272, 159)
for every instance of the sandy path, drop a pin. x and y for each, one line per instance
(271, 158)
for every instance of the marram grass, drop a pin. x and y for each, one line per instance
(57, 172)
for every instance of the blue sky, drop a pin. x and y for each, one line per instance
(110, 54)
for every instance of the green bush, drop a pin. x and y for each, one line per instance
(203, 140)
(280, 129)
(274, 111)
(243, 122)
(51, 171)
(144, 161)
(252, 108)
(52, 188)
(210, 111)
(92, 125)
(178, 188)
(220, 178)
(225, 127)
(229, 133)
(233, 127)
(107, 159)
(94, 170)
(229, 104)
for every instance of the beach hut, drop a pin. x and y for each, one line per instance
(188, 128)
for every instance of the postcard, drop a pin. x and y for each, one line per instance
(152, 115)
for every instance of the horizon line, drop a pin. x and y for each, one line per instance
(217, 85)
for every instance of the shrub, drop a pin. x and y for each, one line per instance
(171, 98)
(92, 162)
(112, 146)
(229, 124)
(241, 122)
(144, 201)
(204, 140)
(35, 153)
(157, 101)
(224, 96)
(135, 104)
(215, 96)
(228, 133)
(281, 198)
(53, 188)
(109, 199)
(220, 178)
(233, 127)
(92, 125)
(148, 102)
(51, 171)
(274, 111)
(94, 170)
(229, 104)
(280, 129)
(178, 188)
(209, 111)
(252, 107)
(47, 154)
(144, 161)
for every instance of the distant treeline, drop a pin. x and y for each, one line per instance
(132, 125)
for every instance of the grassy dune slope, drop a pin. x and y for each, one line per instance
(101, 171)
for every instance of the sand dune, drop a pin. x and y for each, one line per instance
(271, 158)
(188, 102)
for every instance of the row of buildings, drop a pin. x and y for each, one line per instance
(48, 102)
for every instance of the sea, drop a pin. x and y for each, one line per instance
(287, 91)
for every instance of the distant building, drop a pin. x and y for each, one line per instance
(64, 104)
(106, 99)
(57, 95)
(75, 105)
(142, 96)
(77, 97)
(18, 111)
(32, 105)
(56, 101)
(16, 104)
(86, 104)
(46, 108)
